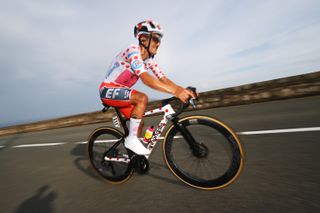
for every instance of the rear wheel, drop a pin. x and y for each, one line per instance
(108, 156)
(213, 160)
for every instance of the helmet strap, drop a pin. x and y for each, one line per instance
(147, 47)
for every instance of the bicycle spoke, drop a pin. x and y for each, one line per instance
(212, 163)
(104, 144)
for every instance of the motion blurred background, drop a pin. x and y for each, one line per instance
(54, 54)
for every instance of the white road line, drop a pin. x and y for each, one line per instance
(98, 141)
(114, 140)
(258, 132)
(37, 145)
(81, 142)
(276, 131)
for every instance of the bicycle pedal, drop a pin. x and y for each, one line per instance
(140, 164)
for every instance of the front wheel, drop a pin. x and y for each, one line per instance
(108, 156)
(207, 155)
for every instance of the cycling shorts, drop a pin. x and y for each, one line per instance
(117, 96)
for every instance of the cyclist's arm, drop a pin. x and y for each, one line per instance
(166, 85)
(159, 85)
(167, 81)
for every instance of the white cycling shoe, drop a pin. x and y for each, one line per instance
(134, 144)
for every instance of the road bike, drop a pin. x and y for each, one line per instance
(199, 150)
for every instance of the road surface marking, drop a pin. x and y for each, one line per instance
(81, 142)
(276, 131)
(115, 140)
(257, 132)
(37, 145)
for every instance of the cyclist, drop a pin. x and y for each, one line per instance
(135, 62)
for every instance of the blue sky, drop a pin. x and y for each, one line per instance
(54, 54)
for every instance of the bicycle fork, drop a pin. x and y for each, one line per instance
(198, 149)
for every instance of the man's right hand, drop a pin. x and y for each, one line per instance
(184, 94)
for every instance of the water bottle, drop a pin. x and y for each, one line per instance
(148, 134)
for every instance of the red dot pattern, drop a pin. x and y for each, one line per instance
(123, 59)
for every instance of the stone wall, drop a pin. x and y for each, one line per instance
(284, 88)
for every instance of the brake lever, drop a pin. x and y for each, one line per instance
(194, 90)
(193, 103)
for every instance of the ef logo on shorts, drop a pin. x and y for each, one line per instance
(116, 93)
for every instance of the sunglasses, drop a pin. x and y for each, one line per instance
(156, 39)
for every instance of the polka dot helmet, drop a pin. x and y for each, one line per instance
(147, 27)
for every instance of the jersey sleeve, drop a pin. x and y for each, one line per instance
(135, 60)
(154, 67)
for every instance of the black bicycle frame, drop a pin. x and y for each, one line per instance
(123, 122)
(186, 134)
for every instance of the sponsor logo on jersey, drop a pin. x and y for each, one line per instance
(136, 64)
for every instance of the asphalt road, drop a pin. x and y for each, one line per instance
(281, 173)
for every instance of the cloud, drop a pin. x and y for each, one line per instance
(55, 53)
(248, 38)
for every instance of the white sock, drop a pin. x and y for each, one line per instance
(134, 126)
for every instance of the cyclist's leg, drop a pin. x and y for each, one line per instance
(132, 104)
(139, 100)
(131, 110)
(115, 96)
(139, 103)
(136, 109)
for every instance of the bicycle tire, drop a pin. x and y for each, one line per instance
(101, 141)
(219, 135)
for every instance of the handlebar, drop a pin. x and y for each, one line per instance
(183, 106)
